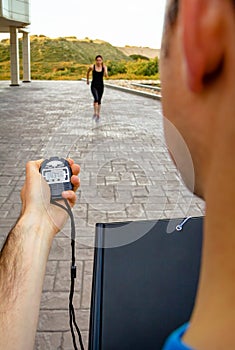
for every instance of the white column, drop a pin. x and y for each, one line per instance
(26, 58)
(14, 49)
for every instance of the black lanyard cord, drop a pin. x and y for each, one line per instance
(72, 320)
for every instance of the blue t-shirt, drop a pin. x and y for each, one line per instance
(174, 341)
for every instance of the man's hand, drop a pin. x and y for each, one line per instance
(24, 256)
(35, 196)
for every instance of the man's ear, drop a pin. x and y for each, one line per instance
(202, 25)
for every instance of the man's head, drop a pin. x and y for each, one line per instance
(197, 74)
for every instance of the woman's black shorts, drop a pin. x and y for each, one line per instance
(97, 92)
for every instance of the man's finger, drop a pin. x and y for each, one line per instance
(75, 182)
(75, 169)
(70, 196)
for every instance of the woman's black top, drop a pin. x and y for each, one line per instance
(97, 78)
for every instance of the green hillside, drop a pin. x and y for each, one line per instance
(69, 49)
(44, 49)
(69, 58)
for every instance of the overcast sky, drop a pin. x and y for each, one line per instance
(120, 22)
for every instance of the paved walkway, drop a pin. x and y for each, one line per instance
(126, 174)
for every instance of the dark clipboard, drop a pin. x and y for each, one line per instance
(146, 288)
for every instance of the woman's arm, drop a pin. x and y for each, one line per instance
(88, 73)
(105, 71)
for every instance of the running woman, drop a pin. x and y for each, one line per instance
(99, 70)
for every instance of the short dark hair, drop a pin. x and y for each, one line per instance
(173, 12)
(171, 15)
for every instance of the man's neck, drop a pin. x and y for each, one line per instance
(213, 317)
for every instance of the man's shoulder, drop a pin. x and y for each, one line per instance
(174, 341)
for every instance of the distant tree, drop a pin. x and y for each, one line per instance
(136, 57)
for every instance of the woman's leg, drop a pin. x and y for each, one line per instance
(99, 108)
(100, 94)
(96, 100)
(96, 109)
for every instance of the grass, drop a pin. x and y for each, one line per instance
(69, 58)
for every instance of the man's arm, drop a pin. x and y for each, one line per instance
(24, 256)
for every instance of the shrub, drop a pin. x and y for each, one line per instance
(147, 68)
(116, 67)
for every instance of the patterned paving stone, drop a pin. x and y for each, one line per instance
(126, 174)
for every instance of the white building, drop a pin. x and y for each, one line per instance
(14, 19)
